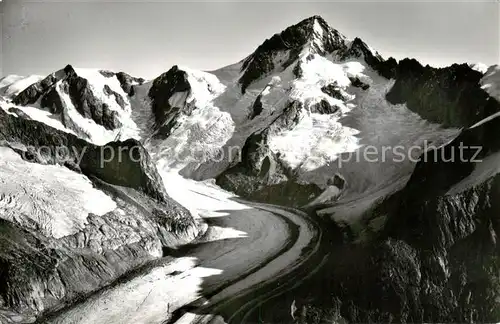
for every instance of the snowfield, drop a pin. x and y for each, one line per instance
(49, 198)
(12, 85)
(491, 81)
(385, 129)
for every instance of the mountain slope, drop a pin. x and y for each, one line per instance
(291, 109)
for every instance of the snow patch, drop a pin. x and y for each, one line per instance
(491, 82)
(200, 198)
(484, 170)
(480, 67)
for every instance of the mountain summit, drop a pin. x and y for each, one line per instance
(313, 35)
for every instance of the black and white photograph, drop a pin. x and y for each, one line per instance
(257, 162)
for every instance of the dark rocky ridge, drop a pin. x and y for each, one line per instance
(81, 96)
(126, 81)
(261, 175)
(293, 39)
(451, 96)
(333, 91)
(257, 107)
(163, 88)
(324, 108)
(31, 94)
(135, 170)
(386, 68)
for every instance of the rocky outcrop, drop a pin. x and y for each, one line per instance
(257, 107)
(451, 96)
(86, 103)
(324, 107)
(32, 94)
(53, 101)
(334, 91)
(356, 82)
(165, 111)
(119, 163)
(261, 175)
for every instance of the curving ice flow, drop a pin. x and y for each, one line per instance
(244, 238)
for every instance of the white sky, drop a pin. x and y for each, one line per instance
(147, 38)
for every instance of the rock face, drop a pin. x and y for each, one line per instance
(437, 257)
(40, 272)
(261, 175)
(31, 94)
(257, 107)
(451, 96)
(165, 110)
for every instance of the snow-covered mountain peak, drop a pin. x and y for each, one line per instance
(310, 36)
(91, 103)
